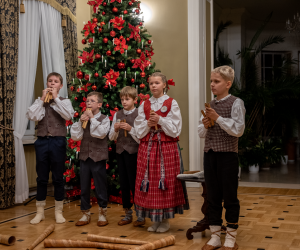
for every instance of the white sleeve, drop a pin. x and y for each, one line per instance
(113, 135)
(64, 108)
(235, 125)
(99, 129)
(140, 123)
(77, 131)
(201, 129)
(133, 134)
(172, 123)
(36, 111)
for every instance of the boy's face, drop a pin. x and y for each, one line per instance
(156, 85)
(54, 82)
(128, 102)
(218, 84)
(92, 103)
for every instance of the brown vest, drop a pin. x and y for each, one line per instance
(52, 123)
(127, 143)
(95, 148)
(216, 138)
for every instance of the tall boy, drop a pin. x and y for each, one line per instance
(127, 148)
(93, 156)
(50, 147)
(221, 158)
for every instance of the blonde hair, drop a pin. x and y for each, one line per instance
(163, 78)
(57, 75)
(226, 72)
(128, 91)
(98, 95)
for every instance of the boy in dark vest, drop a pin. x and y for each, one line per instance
(50, 147)
(221, 164)
(93, 156)
(127, 147)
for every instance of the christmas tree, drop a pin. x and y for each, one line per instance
(118, 54)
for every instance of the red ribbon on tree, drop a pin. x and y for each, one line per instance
(111, 77)
(135, 32)
(69, 174)
(143, 98)
(141, 63)
(87, 57)
(74, 144)
(112, 114)
(89, 27)
(95, 4)
(121, 44)
(118, 23)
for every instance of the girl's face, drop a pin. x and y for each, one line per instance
(157, 86)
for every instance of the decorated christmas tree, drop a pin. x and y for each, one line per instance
(117, 54)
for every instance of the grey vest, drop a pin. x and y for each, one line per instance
(126, 143)
(52, 123)
(95, 148)
(216, 138)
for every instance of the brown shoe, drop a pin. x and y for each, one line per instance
(209, 247)
(82, 223)
(139, 223)
(230, 248)
(102, 223)
(124, 222)
(102, 213)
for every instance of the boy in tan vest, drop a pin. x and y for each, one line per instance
(127, 146)
(50, 147)
(221, 165)
(93, 156)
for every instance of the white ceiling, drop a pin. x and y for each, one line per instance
(259, 9)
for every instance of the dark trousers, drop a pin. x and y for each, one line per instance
(96, 170)
(50, 156)
(221, 178)
(127, 164)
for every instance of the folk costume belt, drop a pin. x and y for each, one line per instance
(162, 182)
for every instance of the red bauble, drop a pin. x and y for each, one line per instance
(142, 86)
(94, 87)
(76, 98)
(112, 33)
(130, 3)
(141, 23)
(102, 23)
(95, 20)
(133, 1)
(132, 80)
(105, 40)
(72, 88)
(113, 176)
(115, 9)
(143, 74)
(108, 53)
(103, 13)
(149, 41)
(79, 75)
(137, 11)
(96, 74)
(97, 56)
(83, 41)
(121, 65)
(125, 12)
(105, 87)
(107, 105)
(109, 149)
(104, 4)
(76, 114)
(127, 39)
(91, 40)
(100, 30)
(132, 61)
(139, 51)
(116, 109)
(87, 77)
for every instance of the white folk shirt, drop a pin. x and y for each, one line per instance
(234, 126)
(113, 135)
(97, 129)
(36, 112)
(171, 124)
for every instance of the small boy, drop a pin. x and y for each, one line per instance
(50, 147)
(127, 147)
(93, 156)
(221, 164)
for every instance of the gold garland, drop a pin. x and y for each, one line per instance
(63, 10)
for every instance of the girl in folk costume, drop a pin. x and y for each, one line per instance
(159, 195)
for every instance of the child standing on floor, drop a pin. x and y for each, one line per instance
(159, 194)
(126, 148)
(93, 156)
(221, 164)
(50, 147)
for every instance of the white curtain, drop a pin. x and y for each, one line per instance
(52, 46)
(29, 27)
(41, 20)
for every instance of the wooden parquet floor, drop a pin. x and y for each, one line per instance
(270, 220)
